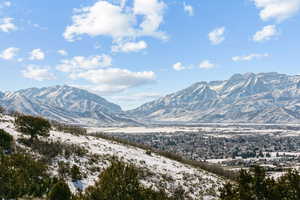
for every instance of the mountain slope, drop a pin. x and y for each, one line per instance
(247, 98)
(64, 103)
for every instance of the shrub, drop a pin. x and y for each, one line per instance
(33, 126)
(255, 185)
(75, 173)
(6, 140)
(121, 181)
(51, 149)
(73, 129)
(48, 149)
(60, 191)
(63, 169)
(2, 110)
(148, 152)
(21, 175)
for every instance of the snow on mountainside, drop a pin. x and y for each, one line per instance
(256, 98)
(65, 103)
(163, 172)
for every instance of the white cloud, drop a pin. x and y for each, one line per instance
(62, 52)
(279, 10)
(249, 57)
(20, 59)
(179, 66)
(153, 11)
(266, 33)
(79, 63)
(123, 3)
(37, 73)
(36, 54)
(9, 53)
(7, 25)
(217, 36)
(188, 9)
(115, 80)
(130, 47)
(5, 4)
(105, 18)
(206, 64)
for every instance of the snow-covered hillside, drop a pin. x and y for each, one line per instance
(161, 171)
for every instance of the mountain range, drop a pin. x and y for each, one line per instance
(243, 98)
(65, 104)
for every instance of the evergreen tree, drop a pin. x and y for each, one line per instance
(255, 185)
(33, 126)
(60, 191)
(6, 140)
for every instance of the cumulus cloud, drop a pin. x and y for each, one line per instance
(115, 80)
(7, 25)
(217, 36)
(206, 64)
(279, 10)
(179, 66)
(188, 9)
(152, 11)
(9, 53)
(36, 54)
(79, 63)
(266, 33)
(37, 73)
(130, 47)
(105, 18)
(62, 52)
(249, 57)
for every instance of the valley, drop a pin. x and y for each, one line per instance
(233, 146)
(190, 142)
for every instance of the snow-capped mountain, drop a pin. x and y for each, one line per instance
(64, 103)
(247, 98)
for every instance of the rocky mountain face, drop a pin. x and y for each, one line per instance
(65, 104)
(247, 98)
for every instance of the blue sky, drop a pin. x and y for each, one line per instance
(133, 51)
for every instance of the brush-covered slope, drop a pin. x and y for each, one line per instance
(93, 155)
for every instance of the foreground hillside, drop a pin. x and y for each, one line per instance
(92, 155)
(244, 98)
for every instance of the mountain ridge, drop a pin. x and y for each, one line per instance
(65, 103)
(244, 98)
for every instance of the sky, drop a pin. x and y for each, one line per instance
(134, 51)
